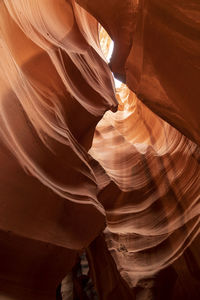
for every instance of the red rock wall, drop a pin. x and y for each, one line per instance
(70, 171)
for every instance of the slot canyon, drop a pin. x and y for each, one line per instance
(99, 149)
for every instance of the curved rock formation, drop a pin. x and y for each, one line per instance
(88, 167)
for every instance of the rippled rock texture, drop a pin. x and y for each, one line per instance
(87, 167)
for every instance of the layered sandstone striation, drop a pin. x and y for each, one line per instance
(85, 166)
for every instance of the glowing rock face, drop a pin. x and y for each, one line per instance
(71, 170)
(153, 168)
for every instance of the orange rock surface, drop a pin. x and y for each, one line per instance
(88, 167)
